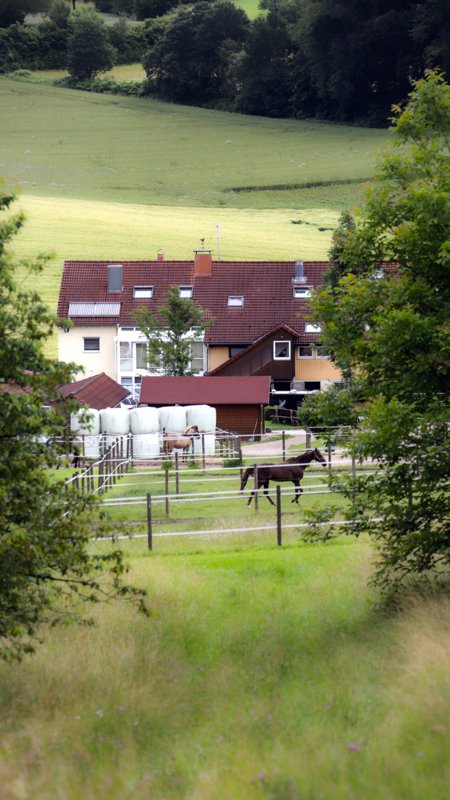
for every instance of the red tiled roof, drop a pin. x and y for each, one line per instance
(266, 286)
(205, 390)
(97, 391)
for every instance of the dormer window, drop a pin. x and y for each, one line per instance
(186, 292)
(281, 351)
(143, 292)
(310, 328)
(301, 292)
(235, 301)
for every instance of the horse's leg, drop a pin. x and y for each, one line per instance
(266, 492)
(298, 491)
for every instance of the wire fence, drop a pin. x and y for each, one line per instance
(162, 481)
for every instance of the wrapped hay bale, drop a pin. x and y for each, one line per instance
(144, 420)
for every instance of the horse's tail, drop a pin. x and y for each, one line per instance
(245, 477)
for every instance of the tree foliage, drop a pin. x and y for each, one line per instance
(171, 332)
(48, 556)
(387, 321)
(89, 51)
(189, 62)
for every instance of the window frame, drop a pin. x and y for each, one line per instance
(285, 342)
(91, 339)
(186, 291)
(145, 289)
(235, 301)
(319, 354)
(301, 292)
(304, 347)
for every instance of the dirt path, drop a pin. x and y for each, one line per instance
(271, 447)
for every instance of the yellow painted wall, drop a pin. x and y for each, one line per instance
(316, 369)
(71, 348)
(217, 356)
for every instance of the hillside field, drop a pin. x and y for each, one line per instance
(104, 176)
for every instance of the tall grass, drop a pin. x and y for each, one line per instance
(261, 674)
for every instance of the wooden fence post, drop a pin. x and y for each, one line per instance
(329, 454)
(203, 452)
(177, 474)
(240, 453)
(149, 522)
(308, 440)
(279, 542)
(353, 479)
(283, 444)
(166, 485)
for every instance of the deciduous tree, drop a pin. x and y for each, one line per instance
(50, 567)
(171, 332)
(388, 320)
(89, 51)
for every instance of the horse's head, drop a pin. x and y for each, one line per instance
(192, 431)
(318, 456)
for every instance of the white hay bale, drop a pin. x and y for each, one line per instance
(91, 446)
(206, 441)
(115, 421)
(203, 416)
(146, 445)
(144, 420)
(172, 419)
(85, 422)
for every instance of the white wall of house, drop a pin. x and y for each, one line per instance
(79, 346)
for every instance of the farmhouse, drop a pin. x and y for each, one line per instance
(259, 312)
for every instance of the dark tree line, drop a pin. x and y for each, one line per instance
(343, 60)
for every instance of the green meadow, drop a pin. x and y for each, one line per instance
(262, 673)
(112, 177)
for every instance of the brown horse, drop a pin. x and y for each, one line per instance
(182, 442)
(290, 470)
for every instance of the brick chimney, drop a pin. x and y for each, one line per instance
(160, 256)
(202, 263)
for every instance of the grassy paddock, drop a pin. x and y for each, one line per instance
(257, 676)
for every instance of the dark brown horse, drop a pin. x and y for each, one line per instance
(290, 470)
(181, 442)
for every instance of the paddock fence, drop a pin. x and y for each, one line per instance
(168, 483)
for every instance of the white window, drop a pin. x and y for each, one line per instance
(305, 351)
(310, 328)
(197, 357)
(141, 355)
(281, 351)
(301, 292)
(321, 351)
(186, 291)
(143, 292)
(235, 301)
(91, 344)
(126, 356)
(133, 384)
